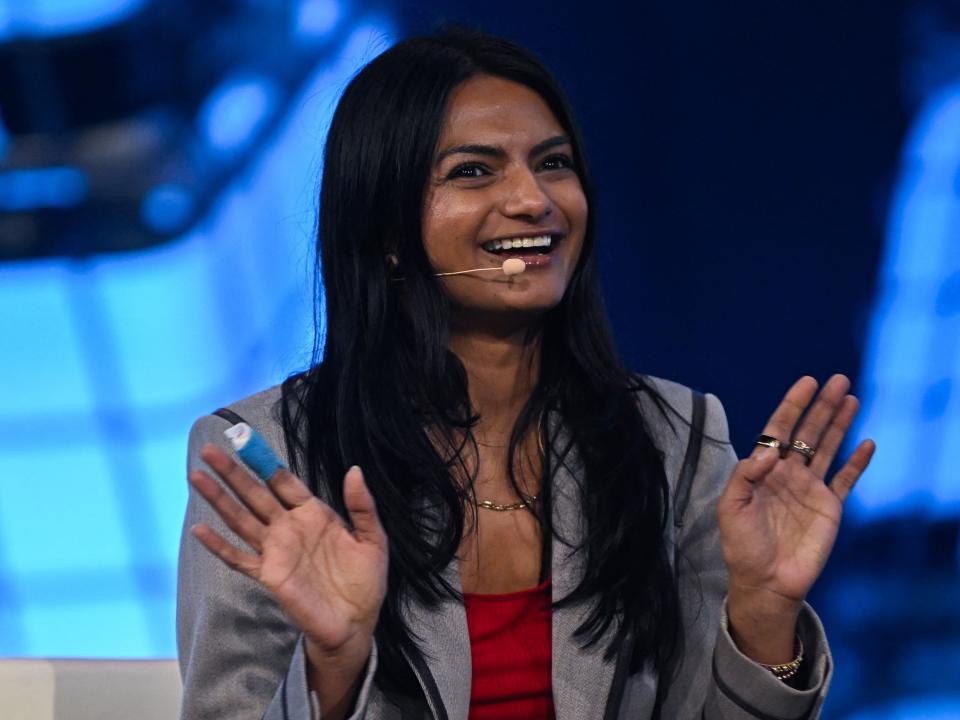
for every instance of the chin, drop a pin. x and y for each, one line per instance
(533, 306)
(536, 295)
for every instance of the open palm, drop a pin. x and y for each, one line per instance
(778, 517)
(329, 579)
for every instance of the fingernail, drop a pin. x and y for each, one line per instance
(355, 467)
(764, 454)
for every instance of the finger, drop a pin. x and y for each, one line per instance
(843, 481)
(833, 438)
(757, 467)
(252, 493)
(362, 508)
(236, 516)
(231, 556)
(819, 416)
(289, 488)
(788, 412)
(748, 473)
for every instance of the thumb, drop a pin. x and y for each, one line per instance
(362, 508)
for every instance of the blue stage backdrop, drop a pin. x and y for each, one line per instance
(107, 360)
(910, 381)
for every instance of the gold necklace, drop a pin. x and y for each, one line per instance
(491, 505)
(520, 504)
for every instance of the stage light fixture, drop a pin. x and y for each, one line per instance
(167, 208)
(159, 107)
(53, 187)
(235, 111)
(52, 18)
(316, 18)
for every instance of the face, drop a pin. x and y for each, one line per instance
(503, 172)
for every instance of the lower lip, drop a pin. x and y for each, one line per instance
(530, 259)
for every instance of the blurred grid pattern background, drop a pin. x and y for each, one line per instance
(109, 357)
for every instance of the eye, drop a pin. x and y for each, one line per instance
(468, 170)
(560, 161)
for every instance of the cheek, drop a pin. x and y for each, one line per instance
(446, 220)
(576, 210)
(578, 207)
(577, 214)
(569, 198)
(437, 225)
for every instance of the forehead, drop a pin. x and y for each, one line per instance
(492, 110)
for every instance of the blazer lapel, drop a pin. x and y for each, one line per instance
(443, 634)
(581, 678)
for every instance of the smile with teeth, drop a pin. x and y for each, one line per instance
(542, 243)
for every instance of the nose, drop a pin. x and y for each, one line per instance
(524, 197)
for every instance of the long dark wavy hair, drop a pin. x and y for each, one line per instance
(386, 393)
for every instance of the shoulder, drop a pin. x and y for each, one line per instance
(262, 410)
(667, 404)
(667, 410)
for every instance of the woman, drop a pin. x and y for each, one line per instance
(507, 457)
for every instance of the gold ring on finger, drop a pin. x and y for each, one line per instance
(769, 441)
(801, 447)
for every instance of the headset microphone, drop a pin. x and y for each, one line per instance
(511, 266)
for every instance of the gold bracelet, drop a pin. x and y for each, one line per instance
(787, 671)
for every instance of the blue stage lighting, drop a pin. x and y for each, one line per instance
(316, 18)
(110, 359)
(912, 359)
(37, 188)
(235, 110)
(4, 138)
(49, 18)
(923, 708)
(167, 208)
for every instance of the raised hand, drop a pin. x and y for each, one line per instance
(779, 518)
(329, 579)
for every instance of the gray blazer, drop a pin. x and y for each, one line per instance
(241, 658)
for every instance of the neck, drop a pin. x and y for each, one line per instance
(502, 370)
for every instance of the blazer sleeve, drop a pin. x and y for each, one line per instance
(714, 680)
(240, 657)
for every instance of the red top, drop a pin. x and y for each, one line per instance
(510, 648)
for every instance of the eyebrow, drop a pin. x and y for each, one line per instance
(495, 151)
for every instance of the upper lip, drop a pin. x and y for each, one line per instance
(528, 234)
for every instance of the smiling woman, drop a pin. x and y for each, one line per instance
(524, 528)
